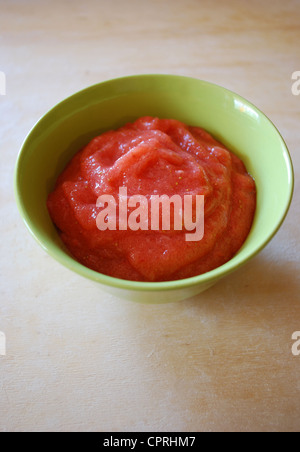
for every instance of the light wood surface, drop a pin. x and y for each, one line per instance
(80, 360)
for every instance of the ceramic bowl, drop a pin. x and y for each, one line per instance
(234, 121)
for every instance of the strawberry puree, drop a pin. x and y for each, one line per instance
(154, 157)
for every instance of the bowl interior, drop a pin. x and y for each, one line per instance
(231, 119)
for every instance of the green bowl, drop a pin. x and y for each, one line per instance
(231, 119)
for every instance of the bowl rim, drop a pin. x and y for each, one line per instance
(69, 262)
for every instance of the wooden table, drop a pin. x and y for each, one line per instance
(78, 359)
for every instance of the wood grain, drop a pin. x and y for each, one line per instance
(79, 359)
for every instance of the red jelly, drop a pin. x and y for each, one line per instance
(153, 157)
